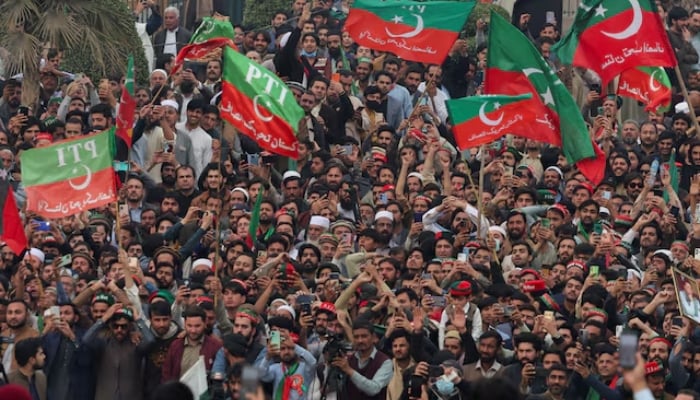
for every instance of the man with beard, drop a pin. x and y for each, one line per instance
(553, 177)
(363, 75)
(516, 225)
(245, 325)
(11, 100)
(334, 176)
(620, 168)
(291, 186)
(565, 249)
(165, 276)
(487, 366)
(68, 366)
(30, 359)
(648, 135)
(666, 142)
(384, 224)
(267, 218)
(630, 133)
(242, 266)
(528, 347)
(557, 382)
(165, 331)
(100, 120)
(16, 317)
(411, 81)
(393, 106)
(213, 81)
(309, 258)
(347, 204)
(199, 153)
(400, 341)
(606, 364)
(587, 214)
(679, 35)
(294, 371)
(184, 352)
(120, 360)
(390, 270)
(311, 129)
(338, 101)
(324, 316)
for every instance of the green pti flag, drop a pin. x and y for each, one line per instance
(211, 28)
(70, 176)
(515, 67)
(259, 104)
(422, 31)
(612, 36)
(480, 120)
(255, 220)
(671, 168)
(212, 34)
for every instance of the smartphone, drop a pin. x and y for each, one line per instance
(462, 257)
(305, 299)
(594, 271)
(595, 87)
(383, 198)
(438, 301)
(262, 254)
(250, 380)
(133, 262)
(120, 166)
(545, 223)
(549, 315)
(23, 110)
(677, 321)
(346, 238)
(275, 339)
(167, 147)
(415, 387)
(607, 195)
(697, 254)
(44, 226)
(269, 159)
(601, 111)
(583, 337)
(697, 213)
(674, 211)
(418, 217)
(66, 261)
(508, 311)
(55, 311)
(550, 18)
(253, 159)
(425, 276)
(628, 349)
(597, 228)
(347, 149)
(334, 276)
(618, 330)
(123, 209)
(508, 170)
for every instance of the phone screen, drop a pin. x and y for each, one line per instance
(628, 349)
(275, 339)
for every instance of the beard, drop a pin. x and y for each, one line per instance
(168, 180)
(307, 266)
(17, 325)
(333, 187)
(265, 219)
(347, 203)
(515, 234)
(334, 52)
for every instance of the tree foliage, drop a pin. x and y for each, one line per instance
(258, 14)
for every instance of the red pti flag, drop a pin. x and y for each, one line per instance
(612, 36)
(514, 67)
(11, 228)
(649, 85)
(212, 33)
(127, 106)
(480, 120)
(422, 31)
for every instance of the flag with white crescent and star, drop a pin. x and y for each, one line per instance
(259, 104)
(213, 33)
(70, 176)
(514, 67)
(422, 31)
(612, 36)
(478, 120)
(649, 85)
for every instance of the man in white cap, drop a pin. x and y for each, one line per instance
(35, 258)
(291, 185)
(155, 139)
(384, 224)
(317, 226)
(552, 179)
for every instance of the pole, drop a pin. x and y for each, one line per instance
(482, 151)
(684, 90)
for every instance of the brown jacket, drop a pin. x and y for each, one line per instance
(18, 378)
(24, 333)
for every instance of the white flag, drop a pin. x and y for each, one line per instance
(196, 379)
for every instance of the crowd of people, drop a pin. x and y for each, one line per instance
(384, 263)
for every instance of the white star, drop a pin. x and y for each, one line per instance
(600, 11)
(496, 105)
(547, 97)
(397, 19)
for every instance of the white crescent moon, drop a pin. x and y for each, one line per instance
(530, 71)
(652, 82)
(257, 112)
(633, 28)
(486, 120)
(86, 183)
(413, 33)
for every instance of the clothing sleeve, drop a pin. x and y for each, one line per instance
(644, 394)
(379, 381)
(263, 365)
(147, 338)
(603, 390)
(92, 338)
(477, 328)
(679, 376)
(154, 22)
(309, 360)
(219, 365)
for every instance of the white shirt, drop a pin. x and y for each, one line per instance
(170, 46)
(200, 151)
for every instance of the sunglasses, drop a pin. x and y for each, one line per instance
(634, 185)
(123, 327)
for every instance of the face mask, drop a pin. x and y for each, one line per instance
(444, 387)
(307, 54)
(373, 105)
(498, 245)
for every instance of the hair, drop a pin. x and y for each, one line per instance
(160, 309)
(194, 312)
(26, 349)
(491, 335)
(172, 390)
(103, 109)
(528, 337)
(383, 73)
(172, 9)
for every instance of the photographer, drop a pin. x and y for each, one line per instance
(440, 380)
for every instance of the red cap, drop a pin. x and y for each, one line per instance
(327, 307)
(388, 187)
(14, 392)
(661, 340)
(44, 136)
(534, 286)
(461, 288)
(531, 272)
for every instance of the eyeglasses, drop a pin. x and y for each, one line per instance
(633, 185)
(123, 327)
(645, 171)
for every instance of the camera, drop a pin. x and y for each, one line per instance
(337, 346)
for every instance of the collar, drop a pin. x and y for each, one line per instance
(173, 31)
(494, 367)
(198, 343)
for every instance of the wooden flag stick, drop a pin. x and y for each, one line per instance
(684, 91)
(482, 151)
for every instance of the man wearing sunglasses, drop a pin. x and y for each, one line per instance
(119, 367)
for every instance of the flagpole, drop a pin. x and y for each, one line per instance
(684, 90)
(482, 150)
